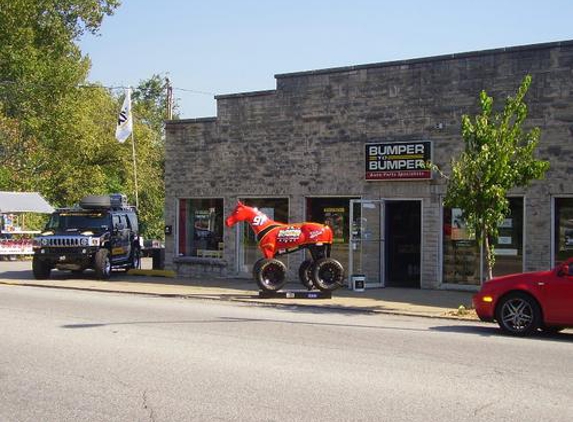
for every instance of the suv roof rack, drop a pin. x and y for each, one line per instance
(112, 201)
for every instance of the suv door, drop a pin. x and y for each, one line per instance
(120, 244)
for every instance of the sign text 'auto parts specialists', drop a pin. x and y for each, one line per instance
(398, 160)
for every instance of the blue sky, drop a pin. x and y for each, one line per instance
(216, 47)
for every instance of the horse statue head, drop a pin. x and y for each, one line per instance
(243, 212)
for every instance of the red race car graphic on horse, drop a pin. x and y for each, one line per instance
(274, 238)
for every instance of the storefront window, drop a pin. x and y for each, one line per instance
(563, 234)
(274, 208)
(201, 228)
(462, 255)
(334, 212)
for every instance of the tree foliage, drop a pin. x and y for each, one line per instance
(56, 129)
(499, 155)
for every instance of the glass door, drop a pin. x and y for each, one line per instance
(366, 252)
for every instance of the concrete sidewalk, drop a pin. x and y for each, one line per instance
(428, 303)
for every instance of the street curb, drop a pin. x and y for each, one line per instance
(153, 273)
(253, 302)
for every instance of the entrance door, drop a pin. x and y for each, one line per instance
(366, 236)
(403, 243)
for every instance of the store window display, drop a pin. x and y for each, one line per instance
(461, 253)
(334, 212)
(201, 228)
(563, 231)
(274, 208)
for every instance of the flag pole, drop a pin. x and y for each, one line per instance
(134, 171)
(123, 130)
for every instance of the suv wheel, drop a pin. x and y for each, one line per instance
(102, 264)
(40, 269)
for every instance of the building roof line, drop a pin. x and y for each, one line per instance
(452, 56)
(187, 121)
(246, 94)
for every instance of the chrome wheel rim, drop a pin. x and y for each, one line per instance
(517, 314)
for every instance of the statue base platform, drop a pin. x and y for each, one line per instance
(295, 294)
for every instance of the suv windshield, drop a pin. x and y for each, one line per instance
(78, 221)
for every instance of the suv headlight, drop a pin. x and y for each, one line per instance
(84, 241)
(44, 242)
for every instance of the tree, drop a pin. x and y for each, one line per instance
(57, 130)
(498, 156)
(41, 102)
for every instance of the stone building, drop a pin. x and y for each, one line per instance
(342, 145)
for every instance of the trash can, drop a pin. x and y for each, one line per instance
(158, 258)
(358, 281)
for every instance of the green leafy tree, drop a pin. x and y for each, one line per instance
(57, 130)
(41, 69)
(498, 156)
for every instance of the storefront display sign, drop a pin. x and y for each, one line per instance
(334, 217)
(16, 246)
(398, 160)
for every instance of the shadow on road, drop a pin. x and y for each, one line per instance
(227, 320)
(493, 330)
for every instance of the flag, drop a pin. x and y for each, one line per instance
(124, 121)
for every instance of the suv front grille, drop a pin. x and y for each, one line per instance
(63, 241)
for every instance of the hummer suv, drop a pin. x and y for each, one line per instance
(102, 234)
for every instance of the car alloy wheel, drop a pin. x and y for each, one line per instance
(518, 314)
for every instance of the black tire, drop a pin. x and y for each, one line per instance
(40, 269)
(518, 314)
(271, 275)
(305, 274)
(327, 274)
(257, 267)
(102, 264)
(96, 201)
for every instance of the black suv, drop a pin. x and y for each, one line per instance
(101, 233)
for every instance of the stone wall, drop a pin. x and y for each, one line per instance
(306, 138)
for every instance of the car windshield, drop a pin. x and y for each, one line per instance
(78, 222)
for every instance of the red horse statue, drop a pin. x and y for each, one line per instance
(276, 238)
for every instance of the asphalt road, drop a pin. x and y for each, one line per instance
(88, 356)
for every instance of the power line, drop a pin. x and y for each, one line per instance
(194, 91)
(96, 86)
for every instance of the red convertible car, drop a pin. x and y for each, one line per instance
(523, 303)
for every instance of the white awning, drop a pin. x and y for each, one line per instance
(15, 202)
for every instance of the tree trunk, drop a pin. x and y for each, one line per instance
(488, 257)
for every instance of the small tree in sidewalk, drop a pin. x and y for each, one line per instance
(498, 156)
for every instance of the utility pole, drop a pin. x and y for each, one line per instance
(169, 99)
